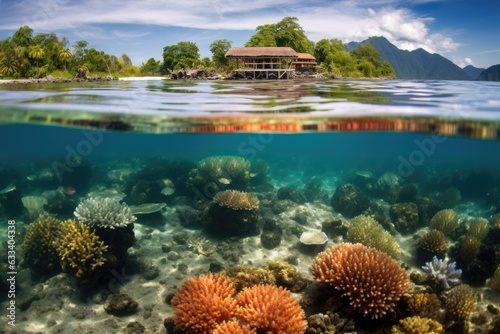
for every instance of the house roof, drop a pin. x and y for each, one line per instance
(275, 51)
(305, 56)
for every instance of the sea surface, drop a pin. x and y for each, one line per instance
(77, 140)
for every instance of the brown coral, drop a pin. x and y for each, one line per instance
(495, 280)
(233, 327)
(425, 305)
(431, 244)
(80, 250)
(478, 228)
(469, 248)
(38, 248)
(232, 213)
(203, 302)
(247, 276)
(370, 279)
(445, 221)
(237, 200)
(286, 275)
(417, 325)
(404, 216)
(460, 303)
(271, 309)
(366, 230)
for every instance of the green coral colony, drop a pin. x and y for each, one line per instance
(91, 238)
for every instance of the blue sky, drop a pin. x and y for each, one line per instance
(464, 31)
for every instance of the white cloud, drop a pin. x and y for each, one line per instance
(347, 20)
(462, 62)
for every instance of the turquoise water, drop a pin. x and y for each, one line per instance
(65, 143)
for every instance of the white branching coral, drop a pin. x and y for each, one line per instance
(104, 212)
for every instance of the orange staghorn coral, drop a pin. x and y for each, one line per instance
(203, 302)
(370, 279)
(270, 309)
(233, 327)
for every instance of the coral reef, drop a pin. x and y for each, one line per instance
(81, 252)
(232, 213)
(371, 280)
(431, 244)
(425, 305)
(405, 217)
(248, 276)
(270, 309)
(442, 272)
(469, 248)
(495, 221)
(271, 234)
(104, 212)
(349, 200)
(449, 198)
(478, 228)
(329, 323)
(417, 325)
(445, 221)
(233, 327)
(365, 230)
(495, 280)
(203, 302)
(460, 303)
(286, 275)
(217, 173)
(38, 247)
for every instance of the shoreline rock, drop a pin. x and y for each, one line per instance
(51, 79)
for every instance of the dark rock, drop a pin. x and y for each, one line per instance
(291, 194)
(349, 200)
(135, 327)
(120, 304)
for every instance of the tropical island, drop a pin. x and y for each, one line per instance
(25, 55)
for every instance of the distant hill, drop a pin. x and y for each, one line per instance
(473, 71)
(416, 64)
(490, 74)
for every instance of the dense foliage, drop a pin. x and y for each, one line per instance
(286, 32)
(361, 61)
(25, 55)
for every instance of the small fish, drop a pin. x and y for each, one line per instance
(69, 190)
(223, 180)
(7, 189)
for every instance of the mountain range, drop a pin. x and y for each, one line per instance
(422, 65)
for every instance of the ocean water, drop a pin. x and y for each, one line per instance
(396, 141)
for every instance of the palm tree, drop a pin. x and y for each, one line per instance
(9, 64)
(65, 55)
(36, 53)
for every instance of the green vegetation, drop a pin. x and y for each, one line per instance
(25, 55)
(361, 61)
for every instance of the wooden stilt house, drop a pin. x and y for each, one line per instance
(263, 62)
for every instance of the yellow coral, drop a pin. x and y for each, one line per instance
(461, 303)
(286, 274)
(445, 221)
(495, 221)
(426, 305)
(248, 276)
(80, 249)
(478, 228)
(495, 280)
(366, 230)
(38, 246)
(469, 248)
(417, 325)
(237, 200)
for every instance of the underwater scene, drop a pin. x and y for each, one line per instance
(159, 206)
